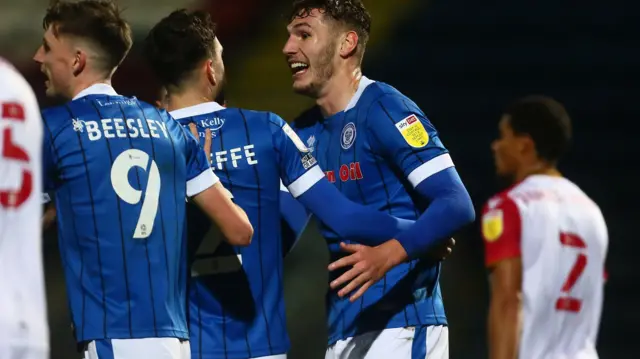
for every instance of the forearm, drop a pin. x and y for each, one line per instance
(350, 221)
(294, 219)
(503, 328)
(450, 209)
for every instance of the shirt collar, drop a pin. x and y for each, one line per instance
(97, 89)
(364, 82)
(197, 110)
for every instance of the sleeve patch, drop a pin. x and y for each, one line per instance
(308, 161)
(294, 138)
(493, 225)
(413, 131)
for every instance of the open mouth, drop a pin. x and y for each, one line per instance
(298, 68)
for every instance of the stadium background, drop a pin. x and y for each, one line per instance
(461, 61)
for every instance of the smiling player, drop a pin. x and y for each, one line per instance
(380, 150)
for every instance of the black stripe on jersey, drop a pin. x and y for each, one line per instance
(122, 240)
(177, 201)
(413, 151)
(224, 312)
(416, 153)
(327, 156)
(146, 243)
(259, 232)
(75, 231)
(95, 231)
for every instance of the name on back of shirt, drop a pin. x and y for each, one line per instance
(121, 128)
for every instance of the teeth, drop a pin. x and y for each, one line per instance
(298, 65)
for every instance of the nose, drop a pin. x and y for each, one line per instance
(37, 57)
(290, 47)
(494, 145)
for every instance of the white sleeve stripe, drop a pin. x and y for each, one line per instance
(429, 168)
(282, 187)
(201, 182)
(306, 181)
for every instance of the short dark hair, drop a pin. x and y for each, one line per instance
(176, 45)
(98, 21)
(351, 13)
(546, 121)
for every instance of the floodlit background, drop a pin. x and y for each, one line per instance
(462, 61)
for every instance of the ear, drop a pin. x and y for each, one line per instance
(79, 61)
(349, 44)
(211, 73)
(526, 145)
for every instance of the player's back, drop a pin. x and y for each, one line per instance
(236, 294)
(564, 244)
(23, 318)
(119, 170)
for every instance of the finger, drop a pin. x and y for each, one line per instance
(361, 291)
(350, 247)
(355, 283)
(194, 131)
(345, 277)
(343, 262)
(208, 138)
(452, 242)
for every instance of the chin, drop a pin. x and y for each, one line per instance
(303, 89)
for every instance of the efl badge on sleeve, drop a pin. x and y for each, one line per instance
(492, 225)
(413, 131)
(348, 136)
(294, 137)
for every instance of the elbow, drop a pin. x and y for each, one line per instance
(241, 235)
(464, 209)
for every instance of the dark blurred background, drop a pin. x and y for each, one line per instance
(462, 61)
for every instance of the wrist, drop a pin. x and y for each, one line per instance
(395, 253)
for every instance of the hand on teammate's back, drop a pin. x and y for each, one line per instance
(370, 264)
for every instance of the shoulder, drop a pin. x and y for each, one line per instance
(380, 95)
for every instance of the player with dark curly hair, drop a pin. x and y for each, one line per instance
(381, 150)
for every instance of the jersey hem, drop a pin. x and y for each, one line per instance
(239, 354)
(124, 334)
(432, 320)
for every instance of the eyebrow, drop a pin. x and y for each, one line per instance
(300, 24)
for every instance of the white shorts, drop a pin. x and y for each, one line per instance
(145, 348)
(23, 352)
(426, 342)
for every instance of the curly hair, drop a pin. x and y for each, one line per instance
(178, 43)
(546, 121)
(97, 21)
(350, 13)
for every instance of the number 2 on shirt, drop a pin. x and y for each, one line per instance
(566, 302)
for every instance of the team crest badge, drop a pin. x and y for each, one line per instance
(492, 225)
(348, 135)
(413, 131)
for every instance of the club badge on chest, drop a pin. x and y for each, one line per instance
(348, 136)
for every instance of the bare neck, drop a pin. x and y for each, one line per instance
(338, 91)
(84, 83)
(183, 99)
(538, 168)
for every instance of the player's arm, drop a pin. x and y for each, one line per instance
(501, 231)
(204, 188)
(307, 183)
(401, 133)
(293, 218)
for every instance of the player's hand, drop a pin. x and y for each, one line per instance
(208, 138)
(442, 250)
(49, 216)
(369, 265)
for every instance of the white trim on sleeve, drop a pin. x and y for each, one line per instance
(201, 182)
(283, 188)
(306, 181)
(429, 168)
